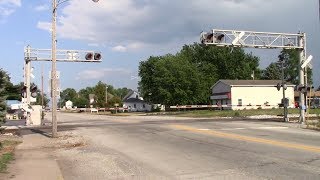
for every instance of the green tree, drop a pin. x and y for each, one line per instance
(114, 100)
(85, 92)
(186, 78)
(13, 92)
(68, 94)
(292, 66)
(4, 83)
(121, 92)
(100, 92)
(39, 99)
(81, 102)
(272, 72)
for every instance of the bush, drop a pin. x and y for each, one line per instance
(237, 114)
(157, 109)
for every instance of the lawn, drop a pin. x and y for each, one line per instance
(240, 113)
(6, 153)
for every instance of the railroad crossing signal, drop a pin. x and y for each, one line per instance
(93, 56)
(24, 92)
(62, 55)
(279, 85)
(211, 37)
(266, 40)
(33, 91)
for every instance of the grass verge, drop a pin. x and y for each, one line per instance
(240, 113)
(6, 153)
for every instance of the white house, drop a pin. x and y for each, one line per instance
(69, 104)
(250, 94)
(135, 103)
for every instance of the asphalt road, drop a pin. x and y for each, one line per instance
(149, 147)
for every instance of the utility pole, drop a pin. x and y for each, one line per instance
(284, 87)
(53, 70)
(27, 81)
(301, 41)
(42, 94)
(106, 95)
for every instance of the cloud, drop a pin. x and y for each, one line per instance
(44, 26)
(10, 2)
(7, 7)
(119, 49)
(156, 27)
(93, 44)
(97, 74)
(42, 7)
(139, 24)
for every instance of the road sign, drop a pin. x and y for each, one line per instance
(238, 37)
(72, 55)
(306, 62)
(31, 73)
(57, 75)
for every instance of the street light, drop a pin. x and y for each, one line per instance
(55, 5)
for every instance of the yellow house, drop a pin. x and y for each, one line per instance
(250, 94)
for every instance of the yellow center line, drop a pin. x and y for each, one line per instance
(248, 138)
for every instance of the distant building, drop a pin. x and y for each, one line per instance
(13, 104)
(69, 104)
(135, 103)
(250, 94)
(313, 98)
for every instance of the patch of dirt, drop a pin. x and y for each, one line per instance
(9, 131)
(68, 140)
(8, 143)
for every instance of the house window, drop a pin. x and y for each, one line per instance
(135, 106)
(144, 106)
(239, 102)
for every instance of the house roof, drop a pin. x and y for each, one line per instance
(128, 95)
(133, 100)
(252, 82)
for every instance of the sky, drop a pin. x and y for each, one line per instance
(127, 32)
